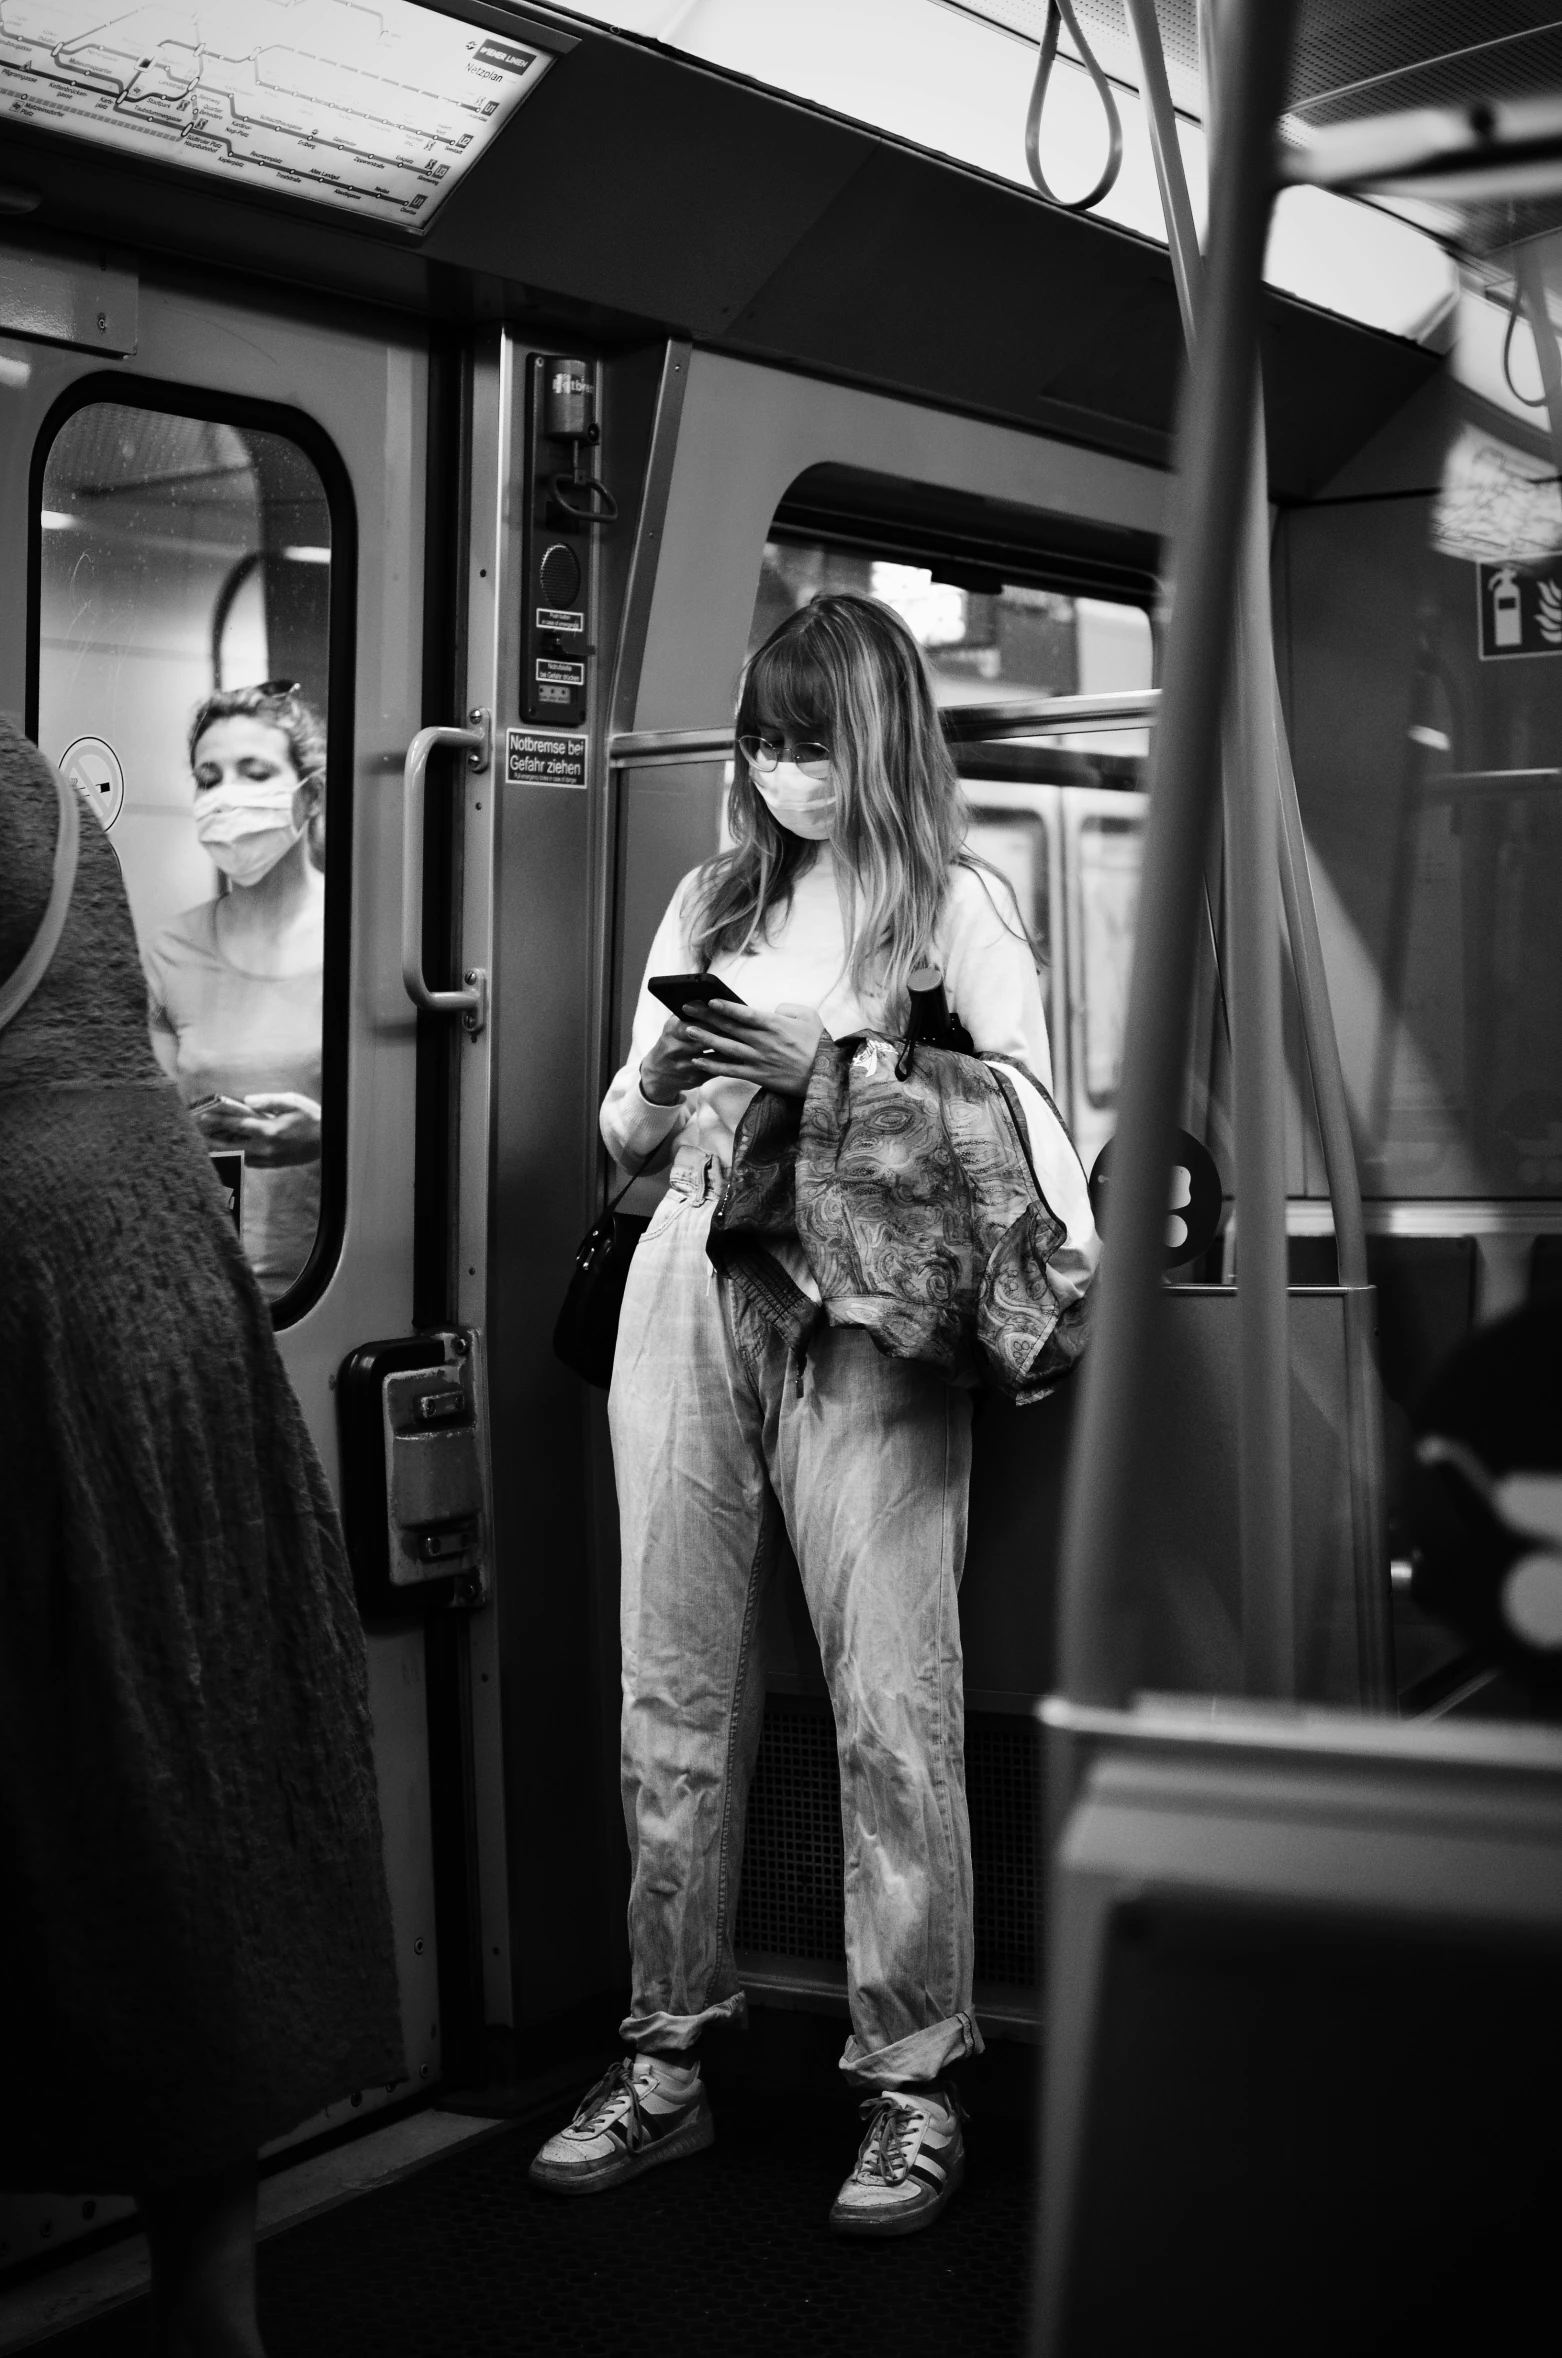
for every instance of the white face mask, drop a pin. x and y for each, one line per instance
(247, 826)
(804, 806)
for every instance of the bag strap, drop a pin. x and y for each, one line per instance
(25, 978)
(609, 1209)
(638, 1172)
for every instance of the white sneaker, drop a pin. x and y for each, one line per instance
(909, 2165)
(642, 2112)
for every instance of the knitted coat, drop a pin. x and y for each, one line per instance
(197, 1939)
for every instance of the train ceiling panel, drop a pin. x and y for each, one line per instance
(954, 78)
(697, 189)
(1106, 28)
(1373, 57)
(1352, 57)
(639, 191)
(379, 114)
(1357, 61)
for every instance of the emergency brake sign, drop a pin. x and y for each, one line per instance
(544, 757)
(1520, 609)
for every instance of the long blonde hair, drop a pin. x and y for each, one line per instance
(846, 672)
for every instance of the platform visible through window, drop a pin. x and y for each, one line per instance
(986, 639)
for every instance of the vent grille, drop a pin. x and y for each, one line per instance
(789, 1902)
(1003, 1793)
(790, 1899)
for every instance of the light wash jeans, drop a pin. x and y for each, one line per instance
(725, 1448)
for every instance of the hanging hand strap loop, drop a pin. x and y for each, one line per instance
(1060, 13)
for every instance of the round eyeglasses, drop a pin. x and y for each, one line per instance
(764, 754)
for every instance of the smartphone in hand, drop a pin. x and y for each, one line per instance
(677, 992)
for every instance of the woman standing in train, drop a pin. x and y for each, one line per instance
(197, 1937)
(845, 873)
(236, 982)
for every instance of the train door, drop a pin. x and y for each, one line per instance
(236, 503)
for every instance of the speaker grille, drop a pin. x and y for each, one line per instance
(790, 1899)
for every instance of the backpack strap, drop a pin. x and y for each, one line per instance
(20, 985)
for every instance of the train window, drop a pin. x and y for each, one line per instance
(184, 669)
(983, 643)
(1426, 690)
(1111, 851)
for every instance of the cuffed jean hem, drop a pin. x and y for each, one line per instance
(922, 2056)
(677, 2031)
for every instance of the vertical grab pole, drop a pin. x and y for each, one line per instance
(1364, 1397)
(1370, 1548)
(1263, 1298)
(1101, 1589)
(1182, 238)
(1530, 286)
(1100, 1600)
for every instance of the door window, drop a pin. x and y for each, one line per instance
(185, 664)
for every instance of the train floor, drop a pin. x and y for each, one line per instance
(727, 2251)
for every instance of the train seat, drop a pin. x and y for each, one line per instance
(1302, 2054)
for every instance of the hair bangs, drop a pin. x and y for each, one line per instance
(783, 690)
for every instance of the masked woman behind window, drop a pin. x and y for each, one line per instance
(236, 983)
(846, 872)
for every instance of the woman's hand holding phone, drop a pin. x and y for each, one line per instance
(275, 1127)
(675, 1063)
(283, 1129)
(774, 1050)
(726, 1040)
(221, 1118)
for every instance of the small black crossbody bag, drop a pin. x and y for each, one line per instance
(586, 1331)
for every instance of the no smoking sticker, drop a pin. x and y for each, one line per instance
(92, 766)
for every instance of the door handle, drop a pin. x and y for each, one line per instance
(471, 1003)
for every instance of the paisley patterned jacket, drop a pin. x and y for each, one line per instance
(946, 1212)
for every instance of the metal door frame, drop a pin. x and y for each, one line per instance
(363, 380)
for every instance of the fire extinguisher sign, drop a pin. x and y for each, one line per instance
(1520, 609)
